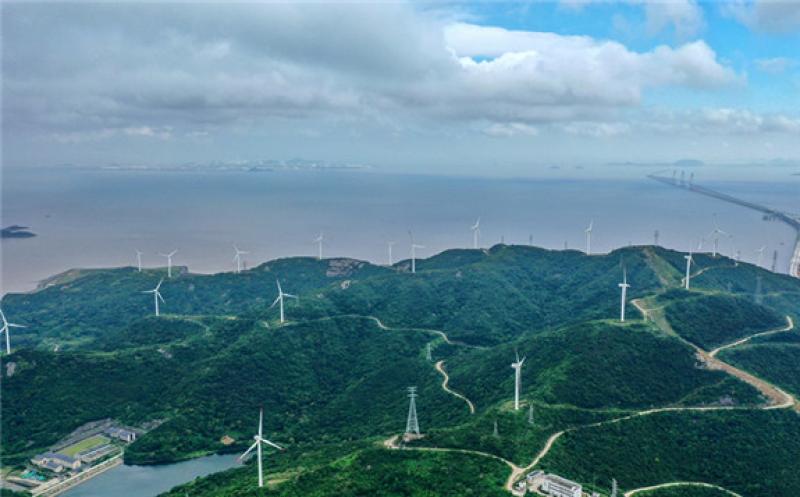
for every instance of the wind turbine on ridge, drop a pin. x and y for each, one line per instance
(318, 240)
(715, 233)
(414, 247)
(259, 440)
(156, 294)
(517, 378)
(7, 330)
(760, 254)
(689, 260)
(476, 233)
(624, 287)
(238, 258)
(279, 300)
(390, 245)
(588, 232)
(169, 261)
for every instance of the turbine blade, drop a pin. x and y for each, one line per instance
(160, 297)
(290, 296)
(248, 451)
(278, 299)
(272, 444)
(12, 325)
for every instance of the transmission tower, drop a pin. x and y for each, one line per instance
(774, 260)
(428, 355)
(412, 424)
(496, 432)
(758, 298)
(655, 237)
(530, 414)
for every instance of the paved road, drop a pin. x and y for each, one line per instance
(446, 380)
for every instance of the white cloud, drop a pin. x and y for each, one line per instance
(684, 16)
(510, 129)
(775, 65)
(771, 16)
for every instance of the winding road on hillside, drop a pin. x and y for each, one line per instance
(778, 398)
(440, 368)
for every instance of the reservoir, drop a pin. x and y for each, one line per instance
(149, 481)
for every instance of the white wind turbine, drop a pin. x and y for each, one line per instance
(414, 248)
(259, 440)
(7, 330)
(390, 245)
(318, 240)
(688, 258)
(624, 287)
(238, 258)
(476, 233)
(279, 300)
(156, 294)
(169, 261)
(760, 254)
(589, 237)
(517, 379)
(715, 233)
(139, 260)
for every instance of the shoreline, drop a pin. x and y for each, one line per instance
(60, 487)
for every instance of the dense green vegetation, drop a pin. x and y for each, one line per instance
(370, 472)
(598, 364)
(332, 381)
(754, 453)
(713, 320)
(775, 362)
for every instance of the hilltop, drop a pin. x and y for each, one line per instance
(332, 379)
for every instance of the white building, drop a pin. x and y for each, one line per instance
(560, 487)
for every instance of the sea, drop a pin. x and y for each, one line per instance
(93, 217)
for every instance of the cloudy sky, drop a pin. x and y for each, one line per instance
(423, 87)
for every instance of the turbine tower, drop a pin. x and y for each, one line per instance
(318, 240)
(530, 414)
(156, 294)
(614, 489)
(760, 255)
(259, 440)
(715, 233)
(139, 260)
(589, 237)
(428, 354)
(412, 424)
(7, 330)
(279, 299)
(414, 248)
(238, 258)
(476, 233)
(655, 237)
(624, 287)
(169, 261)
(390, 245)
(517, 379)
(688, 258)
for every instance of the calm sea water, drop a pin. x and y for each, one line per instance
(149, 481)
(98, 218)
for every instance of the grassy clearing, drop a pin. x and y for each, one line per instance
(85, 444)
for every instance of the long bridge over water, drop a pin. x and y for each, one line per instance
(792, 220)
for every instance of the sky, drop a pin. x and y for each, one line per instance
(453, 88)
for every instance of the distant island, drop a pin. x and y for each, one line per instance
(683, 163)
(259, 165)
(16, 231)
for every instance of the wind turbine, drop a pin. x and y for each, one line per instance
(169, 261)
(414, 248)
(390, 245)
(760, 254)
(238, 258)
(624, 287)
(7, 330)
(688, 258)
(715, 233)
(517, 378)
(156, 294)
(589, 237)
(318, 240)
(259, 440)
(476, 233)
(279, 300)
(139, 260)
